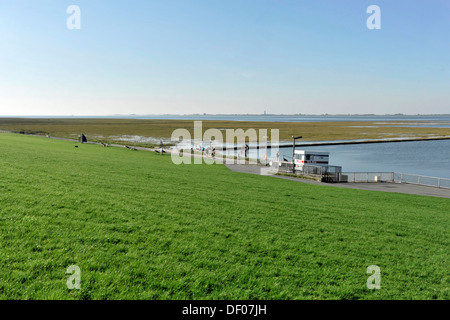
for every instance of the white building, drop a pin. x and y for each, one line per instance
(314, 158)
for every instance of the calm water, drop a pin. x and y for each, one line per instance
(429, 158)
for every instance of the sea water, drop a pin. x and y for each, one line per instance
(429, 158)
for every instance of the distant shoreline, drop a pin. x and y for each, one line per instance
(160, 116)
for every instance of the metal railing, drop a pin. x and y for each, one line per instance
(309, 169)
(422, 180)
(284, 166)
(395, 177)
(335, 175)
(324, 173)
(320, 170)
(367, 176)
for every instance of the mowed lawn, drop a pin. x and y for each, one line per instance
(140, 227)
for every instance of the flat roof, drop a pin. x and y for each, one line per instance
(312, 151)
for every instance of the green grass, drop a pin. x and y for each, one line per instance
(140, 227)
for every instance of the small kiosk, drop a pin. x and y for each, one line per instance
(316, 163)
(312, 158)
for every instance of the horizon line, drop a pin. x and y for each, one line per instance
(230, 114)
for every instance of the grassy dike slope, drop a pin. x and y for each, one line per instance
(140, 227)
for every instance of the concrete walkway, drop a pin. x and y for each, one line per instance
(371, 186)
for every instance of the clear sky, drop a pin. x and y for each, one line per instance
(224, 56)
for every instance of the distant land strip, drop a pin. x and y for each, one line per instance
(335, 143)
(148, 133)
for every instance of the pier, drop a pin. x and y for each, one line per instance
(334, 143)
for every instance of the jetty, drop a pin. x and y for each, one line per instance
(335, 143)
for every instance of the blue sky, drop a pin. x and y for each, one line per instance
(210, 56)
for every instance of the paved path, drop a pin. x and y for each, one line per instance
(386, 187)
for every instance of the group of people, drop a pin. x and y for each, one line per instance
(209, 151)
